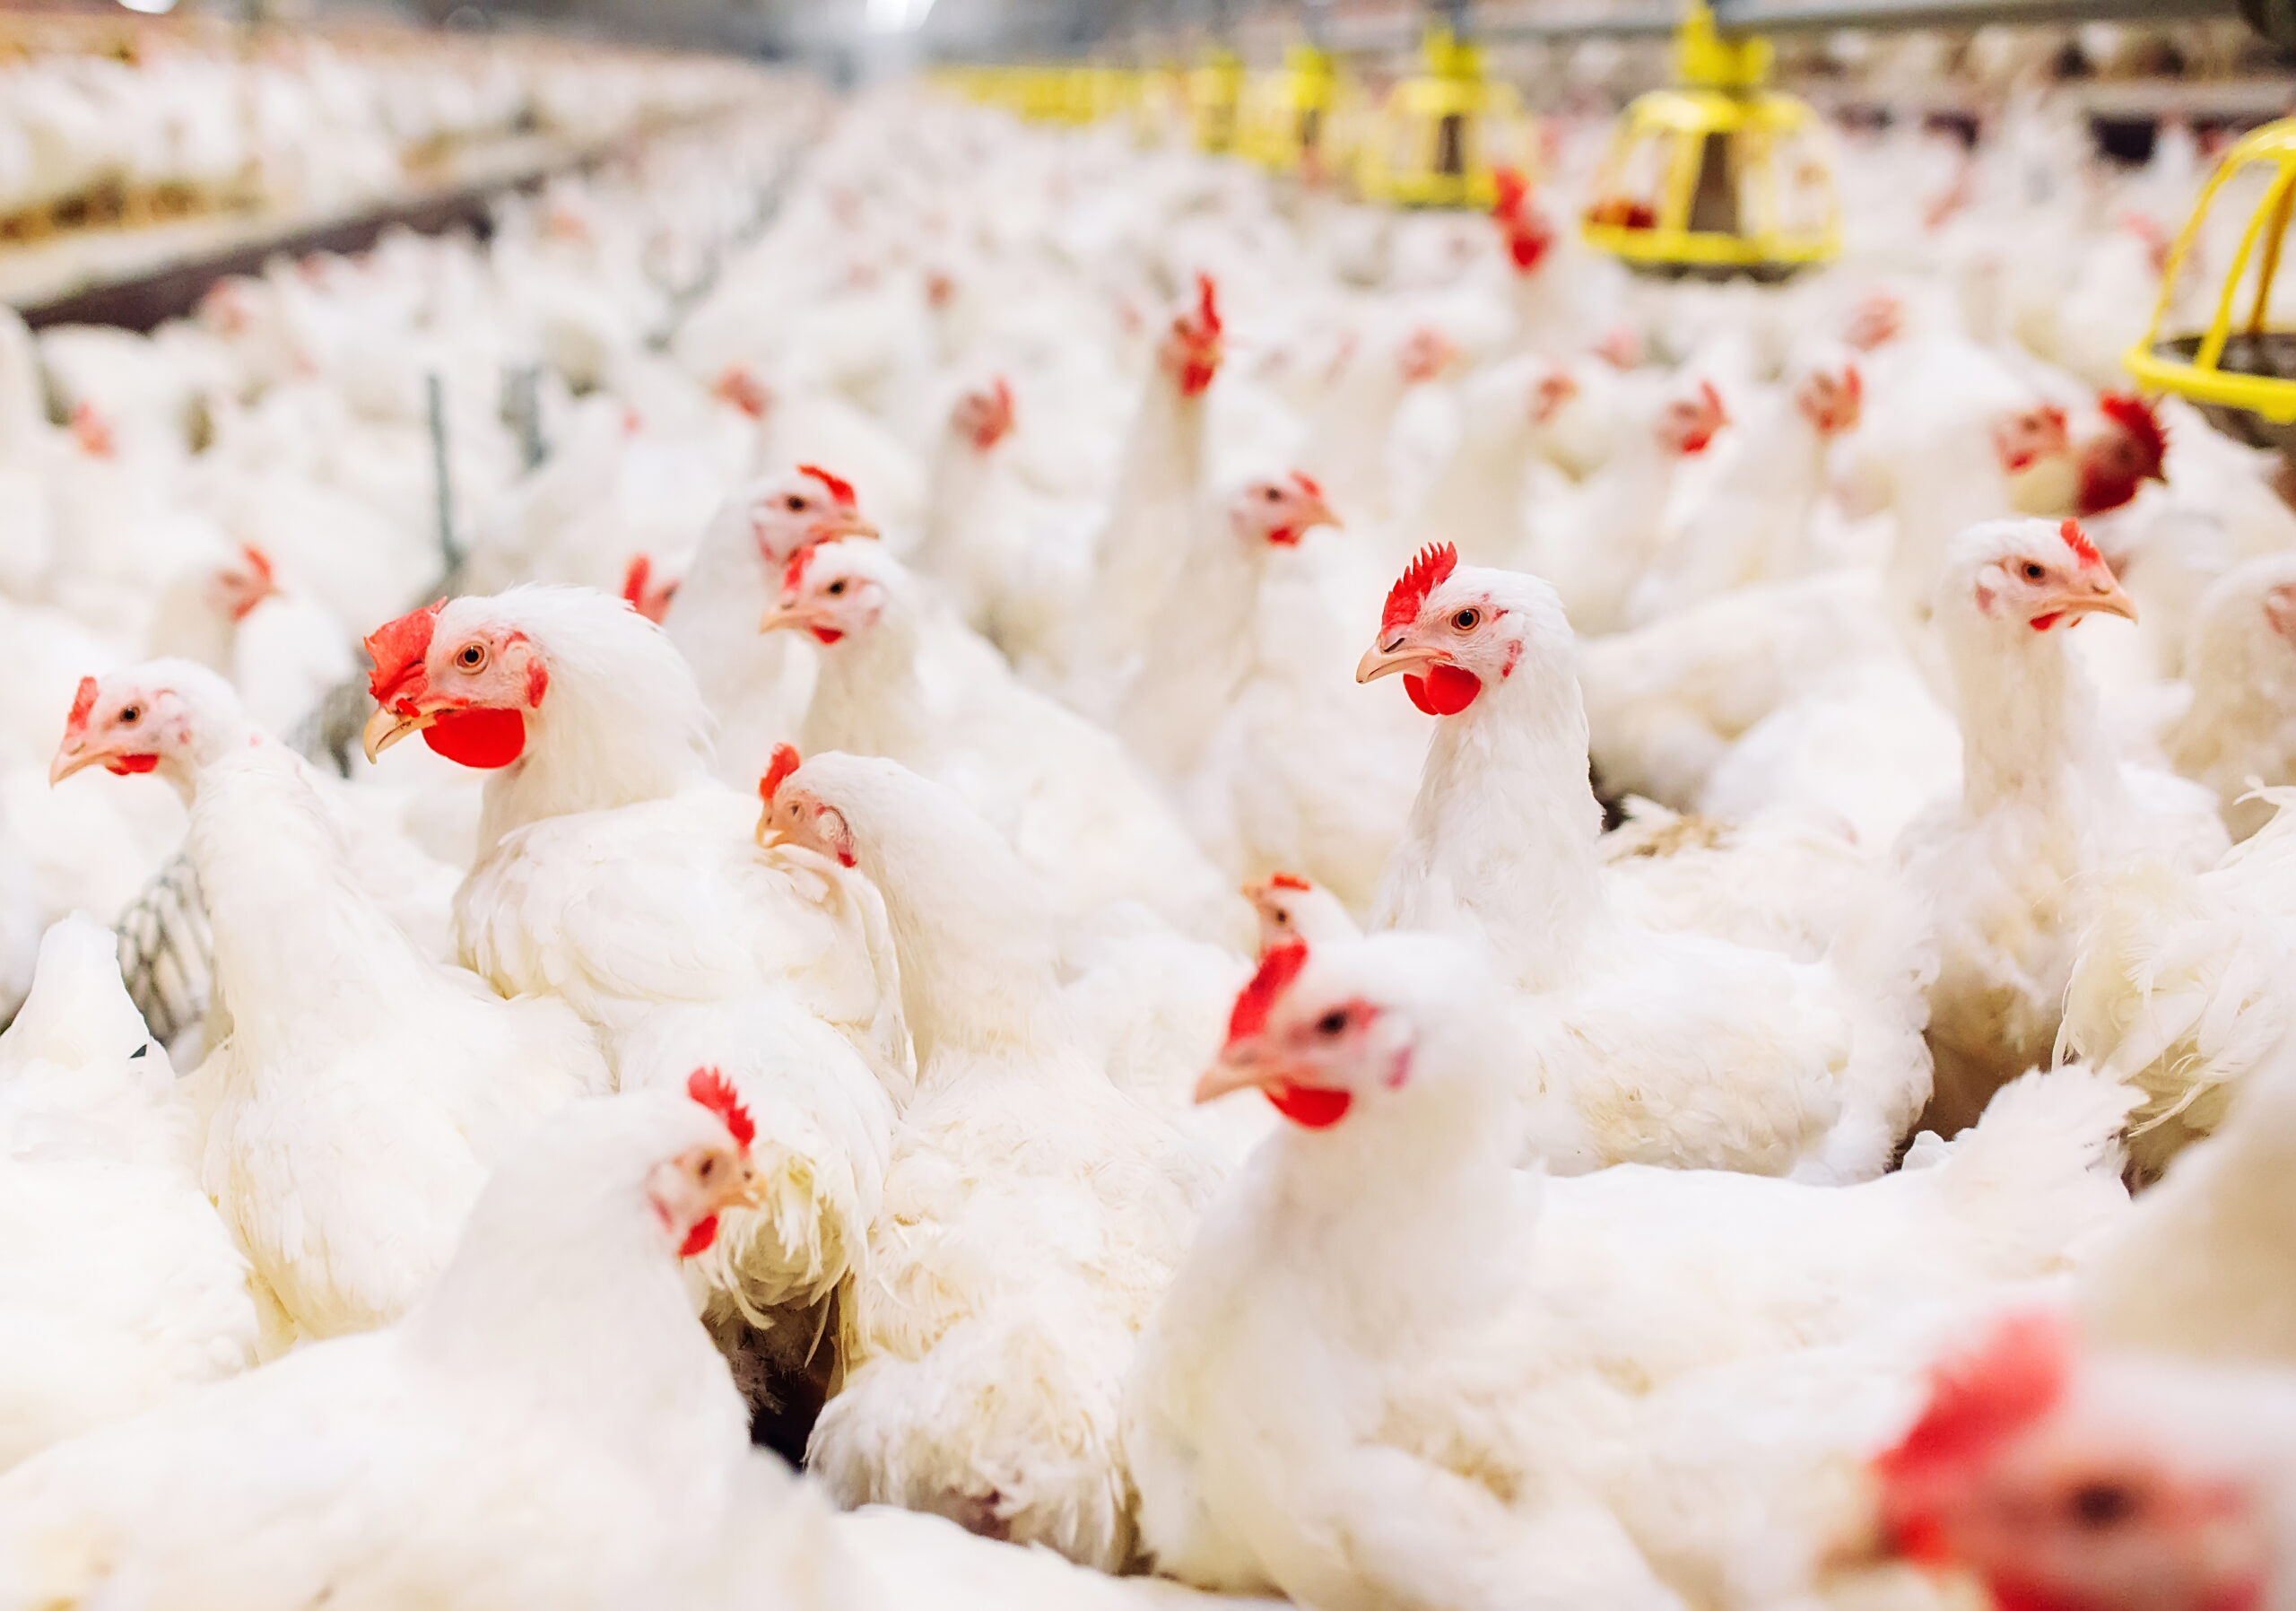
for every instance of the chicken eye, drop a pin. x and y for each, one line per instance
(2034, 572)
(794, 504)
(129, 715)
(1467, 621)
(471, 656)
(2103, 1504)
(837, 589)
(1271, 494)
(708, 1167)
(1333, 1023)
(1282, 919)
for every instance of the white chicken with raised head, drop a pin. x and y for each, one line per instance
(1143, 544)
(756, 687)
(616, 875)
(901, 677)
(173, 719)
(1599, 547)
(363, 1089)
(120, 1285)
(1394, 1371)
(976, 1386)
(1661, 1047)
(2007, 862)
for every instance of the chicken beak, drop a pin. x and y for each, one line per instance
(782, 618)
(70, 757)
(844, 523)
(748, 1191)
(387, 727)
(1239, 1067)
(2106, 598)
(1401, 654)
(1320, 513)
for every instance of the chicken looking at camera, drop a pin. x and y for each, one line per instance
(1394, 1370)
(901, 678)
(2058, 1474)
(173, 719)
(547, 1426)
(2044, 805)
(756, 687)
(616, 875)
(100, 1169)
(1597, 548)
(978, 1385)
(363, 1089)
(1662, 1048)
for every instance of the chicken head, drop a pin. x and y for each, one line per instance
(832, 591)
(1292, 909)
(2033, 573)
(688, 1191)
(2130, 449)
(1280, 509)
(2019, 1473)
(164, 716)
(1451, 631)
(1191, 350)
(1689, 419)
(466, 688)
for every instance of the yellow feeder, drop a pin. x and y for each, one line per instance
(1289, 121)
(2245, 380)
(1441, 133)
(1214, 92)
(1719, 177)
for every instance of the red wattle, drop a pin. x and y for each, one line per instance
(479, 737)
(2041, 623)
(1444, 690)
(1310, 1106)
(697, 1240)
(827, 634)
(119, 766)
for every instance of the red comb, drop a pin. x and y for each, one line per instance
(2011, 1380)
(83, 702)
(2078, 542)
(2141, 421)
(634, 580)
(397, 647)
(792, 574)
(1513, 189)
(1429, 571)
(839, 489)
(1208, 303)
(1288, 881)
(258, 561)
(1713, 400)
(714, 1092)
(744, 390)
(1258, 998)
(1004, 390)
(1306, 484)
(785, 759)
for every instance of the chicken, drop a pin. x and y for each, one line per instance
(756, 685)
(2201, 1267)
(547, 1426)
(1394, 1372)
(2173, 988)
(173, 719)
(900, 677)
(1598, 549)
(2054, 1473)
(1658, 1048)
(363, 1089)
(1509, 411)
(1754, 525)
(2237, 731)
(618, 877)
(975, 1388)
(285, 649)
(120, 1289)
(2044, 805)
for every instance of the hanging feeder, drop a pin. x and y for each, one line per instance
(1442, 132)
(1718, 176)
(2243, 378)
(1289, 121)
